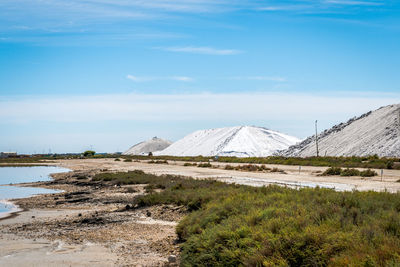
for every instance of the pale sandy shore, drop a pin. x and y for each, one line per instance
(16, 250)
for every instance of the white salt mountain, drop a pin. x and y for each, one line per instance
(240, 141)
(144, 148)
(376, 132)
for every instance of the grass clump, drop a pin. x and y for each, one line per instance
(252, 168)
(117, 159)
(229, 167)
(368, 173)
(127, 160)
(234, 225)
(332, 171)
(189, 164)
(277, 170)
(348, 172)
(204, 165)
(158, 162)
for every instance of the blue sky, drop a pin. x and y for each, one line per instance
(107, 74)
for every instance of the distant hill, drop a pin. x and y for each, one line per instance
(240, 141)
(376, 132)
(144, 148)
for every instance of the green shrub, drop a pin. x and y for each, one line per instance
(332, 171)
(368, 173)
(117, 159)
(127, 160)
(89, 153)
(389, 164)
(277, 170)
(248, 168)
(158, 162)
(229, 167)
(189, 164)
(350, 172)
(204, 165)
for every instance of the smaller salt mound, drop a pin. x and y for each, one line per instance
(144, 148)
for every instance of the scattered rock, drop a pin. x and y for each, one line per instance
(171, 258)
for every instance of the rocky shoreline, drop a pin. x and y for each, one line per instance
(98, 214)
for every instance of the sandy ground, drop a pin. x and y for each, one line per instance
(308, 176)
(91, 224)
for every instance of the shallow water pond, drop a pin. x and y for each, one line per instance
(16, 175)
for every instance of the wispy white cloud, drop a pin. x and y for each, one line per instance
(321, 6)
(288, 7)
(260, 78)
(154, 78)
(354, 3)
(205, 50)
(182, 78)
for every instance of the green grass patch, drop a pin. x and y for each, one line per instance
(158, 162)
(233, 225)
(187, 164)
(205, 165)
(248, 167)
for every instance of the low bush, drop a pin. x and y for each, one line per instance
(158, 162)
(368, 173)
(229, 167)
(117, 159)
(348, 172)
(277, 170)
(332, 171)
(127, 160)
(204, 165)
(248, 168)
(189, 164)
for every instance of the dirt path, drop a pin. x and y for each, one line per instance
(308, 176)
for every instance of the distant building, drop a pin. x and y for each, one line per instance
(8, 154)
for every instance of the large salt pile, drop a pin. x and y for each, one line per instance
(240, 141)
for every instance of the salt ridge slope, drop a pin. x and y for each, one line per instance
(144, 148)
(240, 141)
(375, 132)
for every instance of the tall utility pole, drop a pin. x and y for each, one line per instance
(398, 121)
(316, 137)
